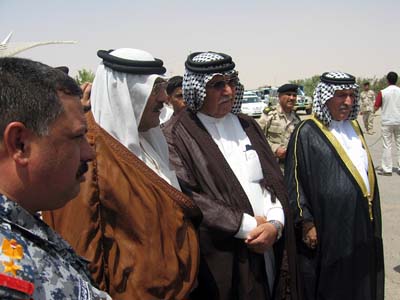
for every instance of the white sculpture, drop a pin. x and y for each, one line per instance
(11, 49)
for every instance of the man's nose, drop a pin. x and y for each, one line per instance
(349, 100)
(228, 89)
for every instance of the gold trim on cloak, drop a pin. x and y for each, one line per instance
(349, 164)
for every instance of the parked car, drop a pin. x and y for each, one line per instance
(303, 102)
(252, 104)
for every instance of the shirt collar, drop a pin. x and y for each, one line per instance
(12, 212)
(282, 112)
(208, 119)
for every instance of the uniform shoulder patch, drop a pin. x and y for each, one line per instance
(16, 277)
(16, 284)
(268, 109)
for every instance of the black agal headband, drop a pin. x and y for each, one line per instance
(337, 78)
(131, 66)
(214, 66)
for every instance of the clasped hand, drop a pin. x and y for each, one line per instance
(262, 237)
(310, 238)
(280, 152)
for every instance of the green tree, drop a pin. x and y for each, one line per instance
(309, 84)
(84, 76)
(375, 84)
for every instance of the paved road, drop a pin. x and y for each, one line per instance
(389, 188)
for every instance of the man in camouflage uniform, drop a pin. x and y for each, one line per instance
(367, 98)
(279, 122)
(43, 158)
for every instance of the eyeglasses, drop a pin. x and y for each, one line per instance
(344, 95)
(158, 87)
(220, 84)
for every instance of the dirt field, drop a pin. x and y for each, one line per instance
(389, 188)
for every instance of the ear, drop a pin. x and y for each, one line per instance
(16, 141)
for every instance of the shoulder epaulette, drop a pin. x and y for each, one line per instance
(268, 109)
(16, 276)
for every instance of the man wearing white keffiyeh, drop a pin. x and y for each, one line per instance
(131, 220)
(333, 192)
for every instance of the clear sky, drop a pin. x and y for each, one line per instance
(270, 41)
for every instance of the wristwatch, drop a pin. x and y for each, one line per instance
(278, 226)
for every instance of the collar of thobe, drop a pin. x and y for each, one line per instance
(221, 131)
(368, 194)
(208, 119)
(157, 160)
(347, 137)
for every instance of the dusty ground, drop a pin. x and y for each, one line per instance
(389, 188)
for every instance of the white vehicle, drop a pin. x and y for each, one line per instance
(303, 102)
(252, 104)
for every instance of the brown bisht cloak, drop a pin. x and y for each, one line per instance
(133, 226)
(228, 269)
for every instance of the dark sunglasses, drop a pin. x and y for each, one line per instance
(220, 84)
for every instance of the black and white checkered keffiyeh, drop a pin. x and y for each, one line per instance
(325, 91)
(194, 84)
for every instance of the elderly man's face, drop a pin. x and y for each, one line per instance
(151, 114)
(341, 104)
(287, 101)
(220, 96)
(58, 160)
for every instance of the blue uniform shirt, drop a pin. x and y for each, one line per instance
(36, 263)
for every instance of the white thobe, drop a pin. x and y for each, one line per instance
(237, 150)
(351, 143)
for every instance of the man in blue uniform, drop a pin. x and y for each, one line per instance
(43, 158)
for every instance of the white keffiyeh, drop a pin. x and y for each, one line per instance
(118, 100)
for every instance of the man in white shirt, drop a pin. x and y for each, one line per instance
(224, 163)
(389, 99)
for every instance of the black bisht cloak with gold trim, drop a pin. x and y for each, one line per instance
(324, 188)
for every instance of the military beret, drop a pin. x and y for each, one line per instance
(288, 87)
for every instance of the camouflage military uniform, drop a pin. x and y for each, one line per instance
(367, 99)
(278, 126)
(36, 263)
